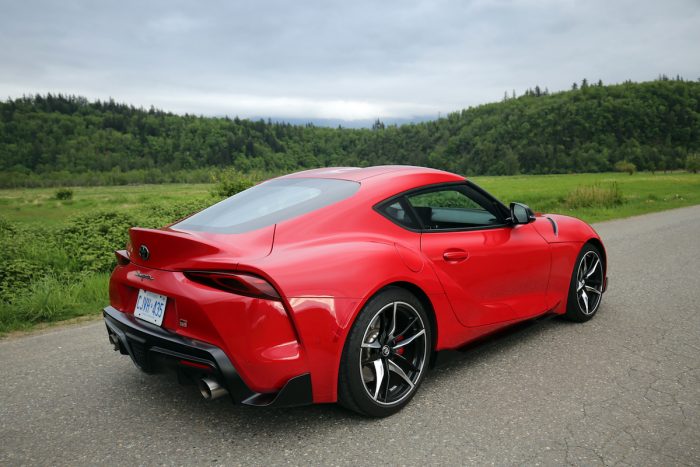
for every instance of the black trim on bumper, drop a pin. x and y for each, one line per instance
(147, 344)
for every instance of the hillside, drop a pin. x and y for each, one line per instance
(49, 139)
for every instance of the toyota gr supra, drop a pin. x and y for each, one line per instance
(343, 285)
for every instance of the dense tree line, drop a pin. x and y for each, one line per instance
(654, 125)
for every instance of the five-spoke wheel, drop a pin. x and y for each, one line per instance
(386, 354)
(393, 352)
(586, 289)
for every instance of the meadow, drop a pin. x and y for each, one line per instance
(58, 252)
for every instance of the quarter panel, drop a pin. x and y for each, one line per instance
(323, 324)
(327, 285)
(255, 334)
(347, 269)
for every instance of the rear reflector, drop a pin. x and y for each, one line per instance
(122, 257)
(241, 284)
(192, 364)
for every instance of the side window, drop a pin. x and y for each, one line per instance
(397, 213)
(454, 207)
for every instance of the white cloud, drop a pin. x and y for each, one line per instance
(319, 59)
(173, 23)
(290, 107)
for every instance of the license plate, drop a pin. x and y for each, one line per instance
(150, 307)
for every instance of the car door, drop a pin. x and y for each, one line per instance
(491, 271)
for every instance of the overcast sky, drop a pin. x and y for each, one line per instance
(329, 59)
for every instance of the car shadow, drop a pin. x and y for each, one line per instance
(163, 396)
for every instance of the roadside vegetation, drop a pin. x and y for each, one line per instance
(150, 167)
(598, 197)
(54, 140)
(58, 249)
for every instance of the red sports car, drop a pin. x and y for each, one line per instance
(343, 284)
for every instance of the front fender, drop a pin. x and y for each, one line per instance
(556, 228)
(566, 235)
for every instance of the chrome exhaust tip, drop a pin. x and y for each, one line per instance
(210, 389)
(114, 340)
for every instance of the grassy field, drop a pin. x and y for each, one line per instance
(642, 192)
(58, 253)
(39, 206)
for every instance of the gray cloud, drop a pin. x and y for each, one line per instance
(317, 59)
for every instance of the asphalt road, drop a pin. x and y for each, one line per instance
(622, 389)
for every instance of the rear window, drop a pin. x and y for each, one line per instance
(269, 203)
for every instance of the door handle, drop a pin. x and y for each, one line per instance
(455, 255)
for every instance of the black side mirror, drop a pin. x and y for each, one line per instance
(521, 214)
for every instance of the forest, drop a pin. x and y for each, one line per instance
(54, 139)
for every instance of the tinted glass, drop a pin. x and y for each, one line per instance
(456, 207)
(269, 203)
(397, 213)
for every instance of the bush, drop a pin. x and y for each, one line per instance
(16, 275)
(626, 166)
(229, 182)
(162, 215)
(692, 163)
(34, 244)
(6, 227)
(90, 239)
(52, 299)
(64, 194)
(595, 196)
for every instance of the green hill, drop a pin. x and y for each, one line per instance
(50, 139)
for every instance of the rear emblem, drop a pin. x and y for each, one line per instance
(144, 253)
(141, 275)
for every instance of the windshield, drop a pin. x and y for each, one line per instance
(269, 203)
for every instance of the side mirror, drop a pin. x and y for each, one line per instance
(521, 214)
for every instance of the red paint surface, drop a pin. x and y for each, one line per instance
(328, 263)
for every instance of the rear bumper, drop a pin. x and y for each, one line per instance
(153, 348)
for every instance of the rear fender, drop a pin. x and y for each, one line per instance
(324, 309)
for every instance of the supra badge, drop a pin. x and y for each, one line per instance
(145, 276)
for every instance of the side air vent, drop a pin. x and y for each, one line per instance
(555, 227)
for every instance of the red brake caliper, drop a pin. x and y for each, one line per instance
(401, 350)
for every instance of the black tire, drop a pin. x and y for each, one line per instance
(586, 286)
(401, 367)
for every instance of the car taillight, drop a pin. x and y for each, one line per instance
(241, 284)
(122, 257)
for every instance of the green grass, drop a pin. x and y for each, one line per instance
(57, 253)
(48, 282)
(39, 206)
(642, 192)
(50, 299)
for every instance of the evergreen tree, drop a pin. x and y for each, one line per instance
(58, 139)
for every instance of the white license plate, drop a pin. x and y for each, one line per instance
(150, 307)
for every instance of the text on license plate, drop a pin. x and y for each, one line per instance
(150, 307)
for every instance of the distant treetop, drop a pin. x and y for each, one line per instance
(653, 125)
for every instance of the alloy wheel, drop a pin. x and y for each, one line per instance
(393, 353)
(589, 282)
